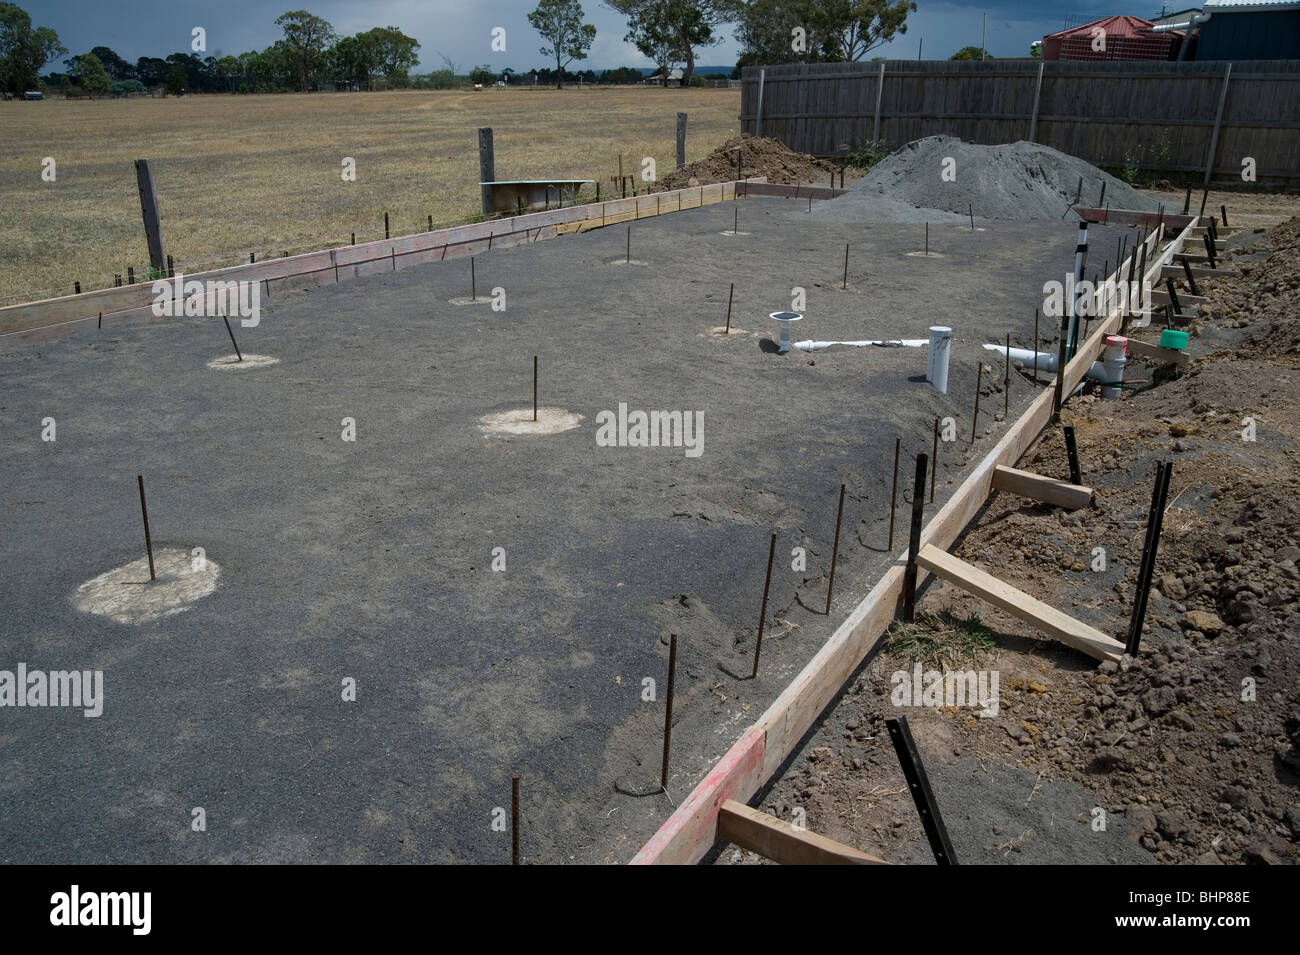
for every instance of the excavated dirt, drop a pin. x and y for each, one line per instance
(759, 157)
(1263, 298)
(1189, 753)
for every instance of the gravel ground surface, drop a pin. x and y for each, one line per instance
(371, 560)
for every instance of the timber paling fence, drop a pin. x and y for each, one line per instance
(1200, 118)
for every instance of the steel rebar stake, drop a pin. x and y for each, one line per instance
(835, 551)
(918, 783)
(914, 539)
(668, 715)
(238, 353)
(893, 494)
(762, 613)
(514, 819)
(935, 469)
(1146, 571)
(144, 513)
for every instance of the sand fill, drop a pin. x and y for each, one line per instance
(1013, 182)
(520, 421)
(127, 595)
(227, 362)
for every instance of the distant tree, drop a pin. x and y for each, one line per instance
(306, 37)
(682, 25)
(352, 62)
(91, 75)
(174, 81)
(560, 24)
(394, 52)
(437, 80)
(23, 51)
(655, 36)
(123, 87)
(150, 70)
(764, 31)
(623, 75)
(228, 72)
(450, 65)
(272, 69)
(970, 53)
(118, 68)
(482, 74)
(856, 27)
(835, 29)
(197, 77)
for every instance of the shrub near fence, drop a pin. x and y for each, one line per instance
(1196, 119)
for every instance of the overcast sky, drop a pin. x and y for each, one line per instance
(462, 28)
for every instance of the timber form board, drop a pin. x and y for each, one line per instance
(52, 318)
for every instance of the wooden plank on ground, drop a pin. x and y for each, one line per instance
(1048, 619)
(1160, 297)
(1156, 353)
(1198, 272)
(1040, 488)
(781, 842)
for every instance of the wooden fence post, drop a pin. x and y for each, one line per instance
(149, 209)
(880, 92)
(486, 166)
(1038, 91)
(1218, 120)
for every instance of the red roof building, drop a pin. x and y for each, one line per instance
(1112, 38)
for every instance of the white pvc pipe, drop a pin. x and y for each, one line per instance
(810, 345)
(940, 349)
(1047, 362)
(1114, 359)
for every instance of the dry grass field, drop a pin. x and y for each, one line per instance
(241, 174)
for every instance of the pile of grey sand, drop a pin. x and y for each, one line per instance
(1014, 182)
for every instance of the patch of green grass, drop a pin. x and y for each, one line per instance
(865, 155)
(944, 640)
(1131, 167)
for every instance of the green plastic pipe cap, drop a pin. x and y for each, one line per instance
(1170, 338)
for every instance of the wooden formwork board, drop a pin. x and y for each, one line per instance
(688, 834)
(1055, 623)
(1036, 487)
(129, 304)
(782, 842)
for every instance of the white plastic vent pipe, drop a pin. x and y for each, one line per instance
(940, 349)
(1108, 372)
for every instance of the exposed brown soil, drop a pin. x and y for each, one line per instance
(1263, 298)
(1191, 750)
(758, 157)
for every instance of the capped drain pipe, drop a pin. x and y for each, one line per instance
(940, 349)
(785, 318)
(1113, 360)
(1110, 372)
